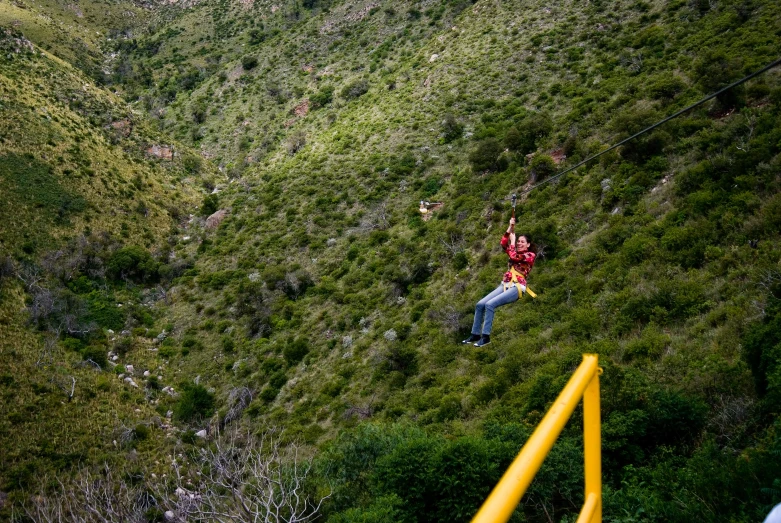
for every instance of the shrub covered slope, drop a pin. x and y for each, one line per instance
(84, 208)
(324, 303)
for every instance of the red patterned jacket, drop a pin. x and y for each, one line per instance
(522, 262)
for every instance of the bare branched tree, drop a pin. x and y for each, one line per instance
(454, 244)
(31, 275)
(238, 478)
(94, 498)
(770, 282)
(67, 384)
(378, 218)
(246, 478)
(46, 356)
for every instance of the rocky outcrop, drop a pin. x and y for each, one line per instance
(161, 151)
(214, 221)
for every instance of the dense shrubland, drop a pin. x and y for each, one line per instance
(326, 304)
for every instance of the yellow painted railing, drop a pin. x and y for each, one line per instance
(508, 492)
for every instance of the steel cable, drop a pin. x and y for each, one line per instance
(654, 126)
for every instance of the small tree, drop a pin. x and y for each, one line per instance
(451, 128)
(210, 205)
(486, 155)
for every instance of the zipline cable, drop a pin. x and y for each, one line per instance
(654, 126)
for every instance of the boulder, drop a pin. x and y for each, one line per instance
(214, 221)
(201, 433)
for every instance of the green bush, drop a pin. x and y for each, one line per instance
(195, 404)
(527, 134)
(323, 97)
(133, 262)
(97, 354)
(714, 69)
(542, 166)
(485, 156)
(295, 351)
(451, 128)
(355, 89)
(249, 62)
(761, 350)
(210, 205)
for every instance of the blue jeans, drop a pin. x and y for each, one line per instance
(484, 311)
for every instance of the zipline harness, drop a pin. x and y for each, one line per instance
(514, 274)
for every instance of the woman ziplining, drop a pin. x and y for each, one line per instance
(520, 252)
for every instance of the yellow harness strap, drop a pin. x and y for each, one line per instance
(517, 285)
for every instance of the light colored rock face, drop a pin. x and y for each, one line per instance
(161, 151)
(214, 221)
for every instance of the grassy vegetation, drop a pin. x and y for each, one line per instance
(326, 295)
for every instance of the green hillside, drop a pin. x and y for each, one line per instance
(81, 197)
(325, 304)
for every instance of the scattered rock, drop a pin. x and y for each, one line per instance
(114, 357)
(169, 414)
(130, 382)
(129, 369)
(170, 391)
(169, 516)
(433, 57)
(201, 433)
(147, 373)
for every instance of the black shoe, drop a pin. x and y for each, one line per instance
(471, 339)
(484, 340)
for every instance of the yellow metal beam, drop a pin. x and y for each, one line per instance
(592, 446)
(508, 492)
